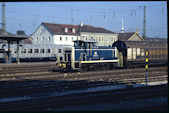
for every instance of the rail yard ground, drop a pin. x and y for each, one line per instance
(40, 86)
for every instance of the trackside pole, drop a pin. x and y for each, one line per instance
(146, 66)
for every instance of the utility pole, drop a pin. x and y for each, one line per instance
(146, 45)
(144, 25)
(3, 18)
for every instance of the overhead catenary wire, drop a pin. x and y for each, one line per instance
(106, 14)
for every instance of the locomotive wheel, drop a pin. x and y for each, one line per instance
(85, 68)
(105, 67)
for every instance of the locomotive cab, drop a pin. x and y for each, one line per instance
(65, 63)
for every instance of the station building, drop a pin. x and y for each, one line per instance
(63, 35)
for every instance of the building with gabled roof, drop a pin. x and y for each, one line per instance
(131, 36)
(64, 34)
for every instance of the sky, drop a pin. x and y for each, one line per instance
(28, 16)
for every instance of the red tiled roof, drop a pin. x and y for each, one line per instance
(88, 28)
(60, 29)
(125, 36)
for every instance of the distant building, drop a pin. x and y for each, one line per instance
(131, 36)
(59, 34)
(63, 34)
(134, 36)
(103, 36)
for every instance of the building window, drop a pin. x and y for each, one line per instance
(102, 38)
(72, 38)
(23, 51)
(99, 38)
(59, 50)
(73, 30)
(107, 38)
(48, 51)
(48, 39)
(66, 38)
(83, 37)
(60, 38)
(36, 51)
(42, 39)
(66, 30)
(42, 50)
(37, 39)
(29, 50)
(42, 31)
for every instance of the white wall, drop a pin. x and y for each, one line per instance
(63, 41)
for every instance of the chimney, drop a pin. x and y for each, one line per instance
(66, 29)
(73, 30)
(81, 24)
(122, 27)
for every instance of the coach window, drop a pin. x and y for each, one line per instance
(36, 51)
(60, 38)
(29, 50)
(42, 50)
(48, 51)
(23, 51)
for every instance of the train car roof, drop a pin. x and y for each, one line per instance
(142, 44)
(88, 41)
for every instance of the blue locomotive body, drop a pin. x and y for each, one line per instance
(86, 55)
(95, 54)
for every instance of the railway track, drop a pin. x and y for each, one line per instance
(87, 98)
(74, 81)
(34, 72)
(40, 77)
